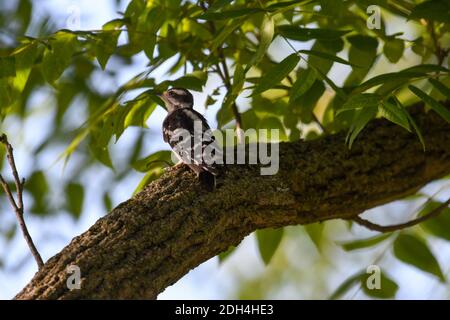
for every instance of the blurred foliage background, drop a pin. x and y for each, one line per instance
(78, 85)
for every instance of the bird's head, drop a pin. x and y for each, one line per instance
(177, 98)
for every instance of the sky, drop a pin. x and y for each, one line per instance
(210, 280)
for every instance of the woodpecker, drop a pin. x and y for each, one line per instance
(189, 135)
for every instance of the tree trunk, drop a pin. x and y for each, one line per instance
(150, 241)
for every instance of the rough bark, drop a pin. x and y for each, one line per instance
(150, 241)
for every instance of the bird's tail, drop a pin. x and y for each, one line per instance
(208, 180)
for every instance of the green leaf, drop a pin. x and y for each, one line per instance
(435, 10)
(393, 49)
(362, 118)
(426, 68)
(37, 185)
(229, 14)
(436, 106)
(360, 101)
(327, 56)
(392, 112)
(219, 4)
(304, 81)
(416, 130)
(139, 111)
(411, 122)
(438, 226)
(154, 160)
(315, 233)
(441, 87)
(268, 242)
(225, 32)
(209, 101)
(58, 58)
(346, 286)
(266, 36)
(153, 22)
(238, 83)
(101, 153)
(276, 74)
(7, 67)
(394, 80)
(226, 254)
(105, 46)
(387, 77)
(414, 251)
(363, 53)
(388, 288)
(75, 199)
(107, 202)
(194, 81)
(14, 72)
(364, 243)
(307, 34)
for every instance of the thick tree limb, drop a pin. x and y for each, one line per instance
(150, 241)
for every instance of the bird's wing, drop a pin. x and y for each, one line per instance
(188, 133)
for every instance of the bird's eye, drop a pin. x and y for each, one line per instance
(171, 93)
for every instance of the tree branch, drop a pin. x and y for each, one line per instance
(150, 241)
(18, 206)
(400, 226)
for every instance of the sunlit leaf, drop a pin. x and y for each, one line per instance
(58, 57)
(414, 251)
(224, 33)
(304, 81)
(268, 242)
(226, 254)
(438, 226)
(105, 46)
(276, 74)
(441, 87)
(393, 49)
(315, 232)
(266, 36)
(364, 243)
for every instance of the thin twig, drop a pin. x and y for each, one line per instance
(18, 206)
(376, 227)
